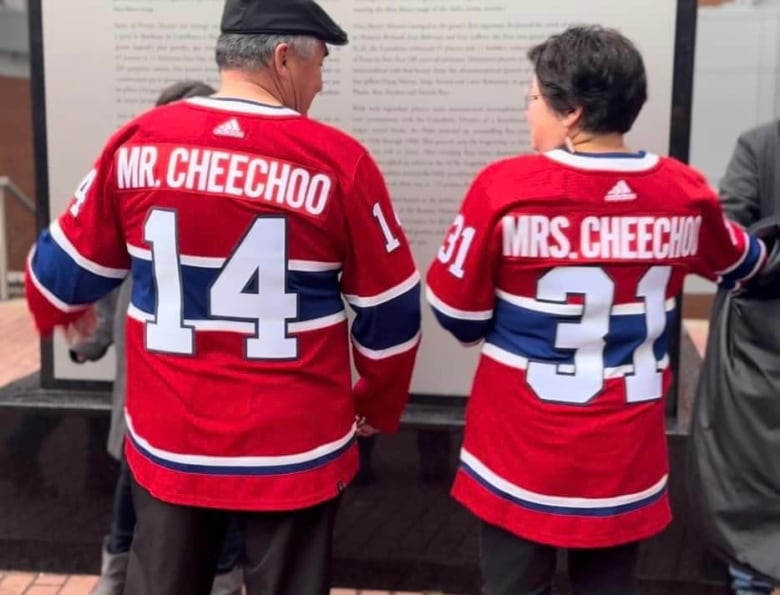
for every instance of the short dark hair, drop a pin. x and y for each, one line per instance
(184, 89)
(594, 68)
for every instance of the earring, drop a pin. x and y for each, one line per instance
(569, 144)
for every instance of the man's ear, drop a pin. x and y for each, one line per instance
(281, 53)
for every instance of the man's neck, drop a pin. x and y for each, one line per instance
(237, 85)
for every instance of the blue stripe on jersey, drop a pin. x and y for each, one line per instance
(69, 282)
(746, 267)
(637, 155)
(318, 293)
(388, 324)
(604, 511)
(465, 331)
(242, 470)
(531, 334)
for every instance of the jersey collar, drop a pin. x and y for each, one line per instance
(622, 162)
(242, 106)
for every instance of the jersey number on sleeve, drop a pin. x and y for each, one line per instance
(586, 337)
(391, 242)
(460, 238)
(261, 254)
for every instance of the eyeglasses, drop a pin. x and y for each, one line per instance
(532, 97)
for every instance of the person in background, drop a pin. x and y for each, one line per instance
(750, 188)
(749, 192)
(565, 265)
(110, 314)
(246, 226)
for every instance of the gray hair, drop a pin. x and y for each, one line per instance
(240, 51)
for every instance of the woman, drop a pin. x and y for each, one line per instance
(566, 264)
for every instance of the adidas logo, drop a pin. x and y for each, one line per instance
(230, 128)
(620, 191)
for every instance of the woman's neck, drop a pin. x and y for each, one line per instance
(584, 142)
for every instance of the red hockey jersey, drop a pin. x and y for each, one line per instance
(567, 265)
(245, 228)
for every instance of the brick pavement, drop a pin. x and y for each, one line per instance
(19, 346)
(28, 583)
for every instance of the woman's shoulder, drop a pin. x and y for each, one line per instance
(515, 165)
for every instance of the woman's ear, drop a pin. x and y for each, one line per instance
(571, 119)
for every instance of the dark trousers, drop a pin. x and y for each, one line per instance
(176, 548)
(512, 565)
(120, 537)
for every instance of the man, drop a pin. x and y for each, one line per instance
(750, 189)
(110, 330)
(243, 223)
(750, 192)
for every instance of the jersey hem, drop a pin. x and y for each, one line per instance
(499, 514)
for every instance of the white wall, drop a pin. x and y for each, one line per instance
(736, 85)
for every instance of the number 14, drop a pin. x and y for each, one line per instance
(261, 252)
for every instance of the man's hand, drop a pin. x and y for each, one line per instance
(82, 328)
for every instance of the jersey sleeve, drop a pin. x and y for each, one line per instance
(82, 255)
(728, 254)
(382, 286)
(460, 282)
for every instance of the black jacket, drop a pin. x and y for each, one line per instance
(734, 446)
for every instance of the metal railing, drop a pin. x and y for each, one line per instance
(8, 188)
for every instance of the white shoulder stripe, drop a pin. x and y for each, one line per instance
(558, 309)
(539, 306)
(448, 310)
(385, 296)
(390, 351)
(311, 266)
(317, 323)
(213, 262)
(59, 236)
(243, 328)
(519, 362)
(50, 297)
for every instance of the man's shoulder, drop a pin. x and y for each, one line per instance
(758, 135)
(320, 130)
(183, 120)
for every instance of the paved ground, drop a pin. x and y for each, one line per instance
(19, 347)
(23, 583)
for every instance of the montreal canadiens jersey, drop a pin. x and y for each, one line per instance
(565, 267)
(245, 228)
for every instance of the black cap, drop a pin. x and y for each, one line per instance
(281, 17)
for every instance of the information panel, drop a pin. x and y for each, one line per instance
(434, 88)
